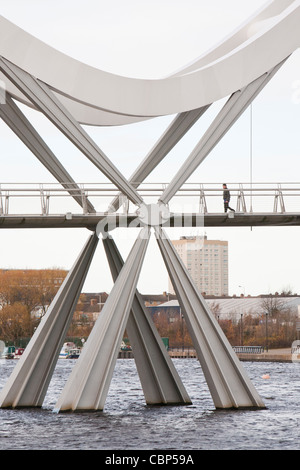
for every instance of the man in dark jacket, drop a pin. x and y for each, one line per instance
(226, 198)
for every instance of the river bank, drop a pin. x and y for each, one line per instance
(272, 355)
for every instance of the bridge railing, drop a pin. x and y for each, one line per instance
(248, 349)
(16, 198)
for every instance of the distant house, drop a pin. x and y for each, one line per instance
(89, 306)
(171, 310)
(157, 299)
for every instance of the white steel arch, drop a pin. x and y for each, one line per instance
(67, 92)
(97, 97)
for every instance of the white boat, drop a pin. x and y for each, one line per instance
(65, 350)
(74, 353)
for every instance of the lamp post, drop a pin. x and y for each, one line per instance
(244, 289)
(182, 329)
(267, 331)
(241, 331)
(241, 328)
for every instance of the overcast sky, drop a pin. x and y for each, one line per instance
(151, 38)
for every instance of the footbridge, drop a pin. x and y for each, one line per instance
(71, 94)
(194, 205)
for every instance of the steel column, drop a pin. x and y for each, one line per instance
(229, 385)
(231, 111)
(28, 383)
(160, 381)
(19, 124)
(173, 134)
(89, 381)
(46, 101)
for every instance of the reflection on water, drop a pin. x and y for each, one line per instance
(127, 423)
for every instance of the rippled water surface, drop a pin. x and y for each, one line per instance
(127, 423)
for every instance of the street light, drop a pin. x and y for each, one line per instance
(182, 329)
(243, 287)
(267, 331)
(242, 333)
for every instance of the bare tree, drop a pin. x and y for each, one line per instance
(272, 305)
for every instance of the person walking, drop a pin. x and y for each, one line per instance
(226, 198)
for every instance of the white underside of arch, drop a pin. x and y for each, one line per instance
(97, 97)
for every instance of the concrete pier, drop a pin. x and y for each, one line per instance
(273, 355)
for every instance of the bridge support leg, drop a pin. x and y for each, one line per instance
(229, 385)
(231, 111)
(28, 383)
(89, 381)
(160, 381)
(45, 100)
(19, 124)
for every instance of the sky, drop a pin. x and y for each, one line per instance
(150, 39)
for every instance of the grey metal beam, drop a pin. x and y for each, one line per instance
(160, 381)
(254, 219)
(19, 124)
(90, 221)
(46, 101)
(28, 383)
(231, 111)
(228, 382)
(88, 384)
(172, 135)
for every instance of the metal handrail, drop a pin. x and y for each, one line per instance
(248, 349)
(202, 191)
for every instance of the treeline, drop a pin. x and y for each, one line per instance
(25, 296)
(273, 326)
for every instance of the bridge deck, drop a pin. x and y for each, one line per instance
(90, 221)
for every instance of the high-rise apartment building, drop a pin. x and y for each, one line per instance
(207, 263)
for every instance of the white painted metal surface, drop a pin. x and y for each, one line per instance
(228, 382)
(88, 384)
(28, 383)
(108, 99)
(159, 378)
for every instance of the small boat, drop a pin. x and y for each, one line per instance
(125, 347)
(64, 353)
(9, 352)
(18, 353)
(74, 354)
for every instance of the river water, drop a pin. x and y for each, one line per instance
(127, 423)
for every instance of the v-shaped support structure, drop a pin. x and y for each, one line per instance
(160, 381)
(88, 384)
(19, 124)
(228, 383)
(46, 101)
(28, 384)
(89, 381)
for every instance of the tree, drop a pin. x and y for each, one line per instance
(33, 288)
(272, 305)
(22, 293)
(279, 322)
(231, 332)
(162, 324)
(15, 322)
(216, 309)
